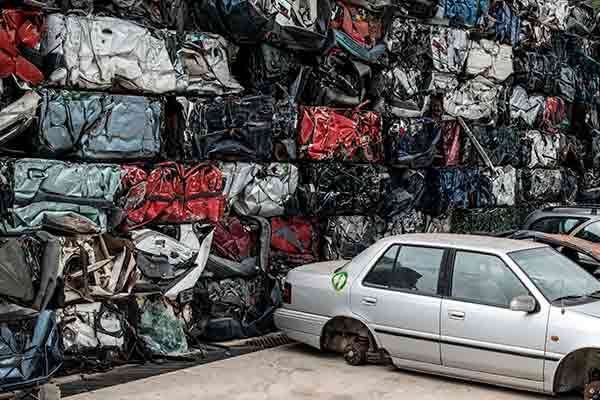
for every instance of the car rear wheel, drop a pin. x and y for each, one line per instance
(356, 352)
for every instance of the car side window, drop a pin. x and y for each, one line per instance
(414, 268)
(556, 225)
(418, 269)
(590, 233)
(381, 273)
(485, 279)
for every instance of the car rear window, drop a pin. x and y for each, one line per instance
(557, 225)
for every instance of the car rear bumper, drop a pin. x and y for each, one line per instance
(300, 326)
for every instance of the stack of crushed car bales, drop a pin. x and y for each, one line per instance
(176, 159)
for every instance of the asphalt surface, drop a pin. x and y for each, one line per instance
(299, 372)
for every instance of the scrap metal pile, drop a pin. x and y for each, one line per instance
(165, 163)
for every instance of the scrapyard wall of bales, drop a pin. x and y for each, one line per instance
(164, 164)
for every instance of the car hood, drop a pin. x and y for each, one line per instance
(590, 309)
(322, 268)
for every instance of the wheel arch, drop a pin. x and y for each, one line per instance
(347, 326)
(573, 369)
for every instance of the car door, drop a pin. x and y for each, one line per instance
(398, 297)
(479, 331)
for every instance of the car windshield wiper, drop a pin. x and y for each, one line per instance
(570, 297)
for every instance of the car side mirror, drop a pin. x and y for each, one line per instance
(523, 303)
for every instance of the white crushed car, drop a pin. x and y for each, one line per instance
(500, 311)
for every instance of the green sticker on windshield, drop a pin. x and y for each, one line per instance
(339, 280)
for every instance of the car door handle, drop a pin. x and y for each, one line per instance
(456, 315)
(369, 301)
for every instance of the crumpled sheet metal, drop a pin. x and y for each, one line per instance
(107, 53)
(505, 186)
(526, 110)
(346, 237)
(451, 143)
(159, 328)
(555, 118)
(466, 12)
(7, 195)
(259, 189)
(295, 241)
(91, 327)
(253, 128)
(537, 72)
(99, 126)
(172, 193)
(398, 89)
(359, 31)
(337, 80)
(98, 267)
(30, 267)
(465, 188)
(264, 190)
(412, 142)
(566, 83)
(37, 180)
(263, 67)
(173, 265)
(20, 34)
(476, 99)
(19, 265)
(542, 150)
(172, 14)
(237, 308)
(240, 248)
(297, 25)
(449, 49)
(29, 347)
(503, 146)
(43, 215)
(18, 116)
(341, 189)
(502, 219)
(410, 42)
(202, 65)
(506, 23)
(549, 185)
(340, 134)
(490, 59)
(581, 20)
(553, 13)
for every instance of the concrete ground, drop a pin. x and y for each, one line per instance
(299, 372)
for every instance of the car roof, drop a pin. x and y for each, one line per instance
(468, 242)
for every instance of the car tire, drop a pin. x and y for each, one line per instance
(49, 392)
(356, 352)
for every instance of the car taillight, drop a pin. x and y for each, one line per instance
(287, 293)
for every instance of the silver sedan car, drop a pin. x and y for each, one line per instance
(511, 313)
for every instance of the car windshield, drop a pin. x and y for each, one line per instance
(555, 275)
